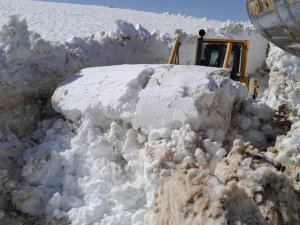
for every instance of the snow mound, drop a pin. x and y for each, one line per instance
(107, 167)
(150, 97)
(106, 92)
(200, 96)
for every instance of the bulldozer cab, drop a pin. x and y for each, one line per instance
(221, 53)
(214, 55)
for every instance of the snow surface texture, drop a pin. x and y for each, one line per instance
(60, 21)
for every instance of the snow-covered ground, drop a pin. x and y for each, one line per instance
(148, 143)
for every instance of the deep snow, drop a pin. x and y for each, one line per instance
(133, 144)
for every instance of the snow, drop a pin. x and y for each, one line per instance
(128, 141)
(92, 174)
(188, 94)
(104, 92)
(72, 22)
(153, 96)
(61, 21)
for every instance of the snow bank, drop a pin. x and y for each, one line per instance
(32, 67)
(61, 21)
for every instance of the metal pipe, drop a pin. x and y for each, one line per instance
(198, 56)
(227, 55)
(174, 51)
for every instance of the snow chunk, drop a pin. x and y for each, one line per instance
(30, 200)
(200, 96)
(125, 29)
(106, 92)
(175, 95)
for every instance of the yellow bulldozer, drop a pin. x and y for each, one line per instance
(222, 53)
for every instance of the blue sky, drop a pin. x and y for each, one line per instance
(213, 9)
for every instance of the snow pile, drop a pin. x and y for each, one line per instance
(284, 61)
(290, 153)
(286, 151)
(199, 96)
(107, 169)
(203, 97)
